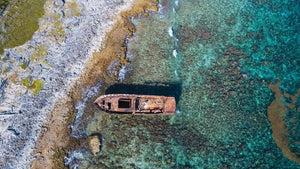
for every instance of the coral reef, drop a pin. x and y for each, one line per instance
(223, 60)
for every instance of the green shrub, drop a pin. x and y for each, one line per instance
(24, 65)
(27, 83)
(5, 70)
(3, 4)
(4, 59)
(37, 84)
(39, 53)
(20, 22)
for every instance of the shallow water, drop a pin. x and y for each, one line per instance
(223, 54)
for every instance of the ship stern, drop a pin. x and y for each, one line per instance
(170, 106)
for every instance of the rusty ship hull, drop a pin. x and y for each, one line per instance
(136, 104)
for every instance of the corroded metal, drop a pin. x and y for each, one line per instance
(136, 104)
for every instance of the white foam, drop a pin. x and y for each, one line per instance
(122, 73)
(73, 157)
(160, 7)
(176, 2)
(174, 53)
(174, 10)
(176, 72)
(177, 111)
(170, 31)
(77, 130)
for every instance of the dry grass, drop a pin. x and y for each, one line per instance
(72, 9)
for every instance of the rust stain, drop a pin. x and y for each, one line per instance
(136, 104)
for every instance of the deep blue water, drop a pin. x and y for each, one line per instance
(223, 54)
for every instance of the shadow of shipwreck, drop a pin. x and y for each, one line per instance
(149, 88)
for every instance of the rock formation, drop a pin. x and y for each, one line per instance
(94, 144)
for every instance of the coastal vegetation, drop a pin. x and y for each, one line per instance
(73, 9)
(18, 27)
(24, 65)
(58, 30)
(4, 59)
(3, 4)
(35, 85)
(5, 70)
(39, 53)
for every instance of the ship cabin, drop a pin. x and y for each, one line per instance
(136, 104)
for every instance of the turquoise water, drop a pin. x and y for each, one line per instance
(224, 54)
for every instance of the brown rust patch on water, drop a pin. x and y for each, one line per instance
(276, 114)
(55, 139)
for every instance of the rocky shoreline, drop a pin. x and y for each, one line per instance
(57, 54)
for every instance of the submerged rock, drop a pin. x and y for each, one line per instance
(94, 142)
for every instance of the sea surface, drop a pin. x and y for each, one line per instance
(218, 58)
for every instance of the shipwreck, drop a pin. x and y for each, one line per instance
(136, 104)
